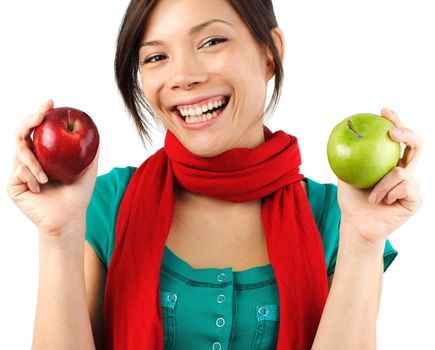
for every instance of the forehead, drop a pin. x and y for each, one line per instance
(169, 17)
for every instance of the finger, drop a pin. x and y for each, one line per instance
(413, 147)
(21, 180)
(407, 194)
(46, 106)
(25, 129)
(392, 117)
(26, 157)
(388, 182)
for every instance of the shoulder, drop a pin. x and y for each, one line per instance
(326, 212)
(103, 210)
(323, 202)
(112, 184)
(110, 188)
(117, 177)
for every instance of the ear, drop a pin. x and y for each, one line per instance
(278, 39)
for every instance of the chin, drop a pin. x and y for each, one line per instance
(204, 148)
(204, 152)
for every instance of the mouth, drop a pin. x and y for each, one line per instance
(202, 111)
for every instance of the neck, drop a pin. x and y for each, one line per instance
(256, 139)
(208, 205)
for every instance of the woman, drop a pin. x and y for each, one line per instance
(216, 241)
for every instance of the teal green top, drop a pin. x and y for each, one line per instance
(213, 308)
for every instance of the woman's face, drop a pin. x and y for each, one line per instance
(199, 62)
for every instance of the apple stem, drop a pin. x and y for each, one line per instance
(70, 124)
(350, 126)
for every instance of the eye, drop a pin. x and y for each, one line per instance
(154, 58)
(214, 41)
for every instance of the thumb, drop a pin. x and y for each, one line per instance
(49, 104)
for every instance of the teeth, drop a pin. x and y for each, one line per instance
(201, 118)
(200, 110)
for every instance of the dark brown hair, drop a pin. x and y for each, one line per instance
(257, 14)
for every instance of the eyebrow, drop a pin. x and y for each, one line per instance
(192, 31)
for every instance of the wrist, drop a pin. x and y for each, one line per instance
(70, 237)
(355, 242)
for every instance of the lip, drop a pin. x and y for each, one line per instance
(198, 100)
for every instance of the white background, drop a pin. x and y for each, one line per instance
(342, 57)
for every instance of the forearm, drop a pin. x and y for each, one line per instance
(62, 316)
(349, 317)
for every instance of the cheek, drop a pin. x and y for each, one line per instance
(239, 64)
(149, 85)
(243, 70)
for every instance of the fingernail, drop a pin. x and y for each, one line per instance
(42, 177)
(373, 197)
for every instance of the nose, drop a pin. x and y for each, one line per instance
(185, 72)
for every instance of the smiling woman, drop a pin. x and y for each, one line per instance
(216, 240)
(231, 54)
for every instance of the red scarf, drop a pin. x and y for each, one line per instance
(132, 311)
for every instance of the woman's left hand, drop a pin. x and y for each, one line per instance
(377, 212)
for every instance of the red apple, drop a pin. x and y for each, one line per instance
(65, 143)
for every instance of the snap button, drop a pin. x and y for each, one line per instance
(221, 277)
(262, 311)
(220, 322)
(172, 298)
(216, 346)
(220, 298)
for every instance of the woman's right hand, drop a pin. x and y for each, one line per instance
(53, 207)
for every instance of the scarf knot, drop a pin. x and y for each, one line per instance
(239, 174)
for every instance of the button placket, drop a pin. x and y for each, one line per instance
(220, 321)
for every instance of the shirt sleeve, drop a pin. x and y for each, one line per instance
(324, 203)
(102, 211)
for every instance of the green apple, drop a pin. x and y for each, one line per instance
(360, 151)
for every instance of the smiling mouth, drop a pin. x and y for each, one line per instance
(201, 112)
